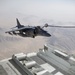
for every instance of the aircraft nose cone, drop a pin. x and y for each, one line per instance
(48, 35)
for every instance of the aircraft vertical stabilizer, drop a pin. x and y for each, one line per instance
(18, 23)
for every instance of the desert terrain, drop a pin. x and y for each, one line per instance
(10, 45)
(62, 38)
(32, 12)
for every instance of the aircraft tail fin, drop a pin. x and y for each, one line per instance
(18, 23)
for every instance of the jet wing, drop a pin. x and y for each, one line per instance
(23, 28)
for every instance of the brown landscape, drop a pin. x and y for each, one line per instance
(10, 45)
(62, 38)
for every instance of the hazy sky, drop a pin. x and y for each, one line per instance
(58, 10)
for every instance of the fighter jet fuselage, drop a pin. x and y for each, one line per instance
(28, 31)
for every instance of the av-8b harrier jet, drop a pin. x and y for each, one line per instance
(28, 31)
(32, 31)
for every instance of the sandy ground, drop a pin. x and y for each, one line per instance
(10, 46)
